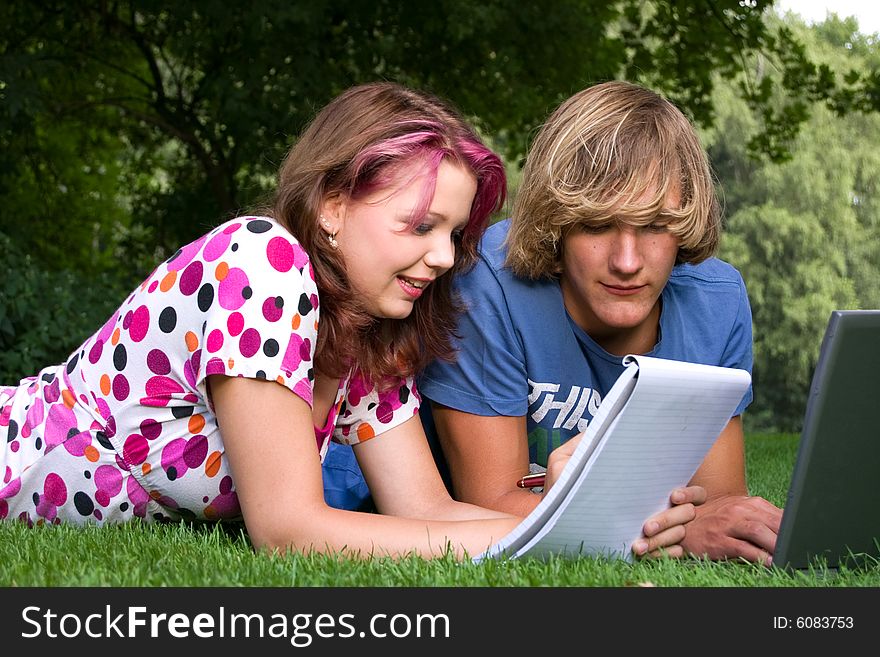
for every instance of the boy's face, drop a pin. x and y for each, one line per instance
(612, 278)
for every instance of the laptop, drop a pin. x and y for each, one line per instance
(832, 514)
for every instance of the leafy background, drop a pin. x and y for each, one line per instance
(128, 128)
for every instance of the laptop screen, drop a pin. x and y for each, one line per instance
(832, 514)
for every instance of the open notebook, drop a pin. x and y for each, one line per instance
(832, 514)
(650, 435)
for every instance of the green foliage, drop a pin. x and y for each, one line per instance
(44, 315)
(805, 233)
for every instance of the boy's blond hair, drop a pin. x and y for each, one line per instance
(612, 152)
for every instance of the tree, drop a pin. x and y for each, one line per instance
(204, 98)
(804, 233)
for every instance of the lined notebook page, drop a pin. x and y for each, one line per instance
(647, 443)
(541, 514)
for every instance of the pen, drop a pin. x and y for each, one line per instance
(535, 480)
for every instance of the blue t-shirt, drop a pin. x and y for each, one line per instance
(520, 353)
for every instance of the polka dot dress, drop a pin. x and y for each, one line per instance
(125, 429)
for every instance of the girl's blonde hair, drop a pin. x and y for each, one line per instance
(612, 152)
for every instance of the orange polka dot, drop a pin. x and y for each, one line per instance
(105, 384)
(365, 432)
(212, 464)
(192, 342)
(316, 326)
(222, 271)
(91, 454)
(146, 468)
(168, 282)
(114, 340)
(68, 397)
(230, 364)
(295, 322)
(280, 379)
(210, 512)
(155, 494)
(196, 423)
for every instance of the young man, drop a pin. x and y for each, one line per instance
(608, 252)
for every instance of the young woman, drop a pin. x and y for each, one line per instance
(214, 390)
(607, 253)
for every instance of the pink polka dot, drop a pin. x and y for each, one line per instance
(230, 291)
(107, 330)
(231, 228)
(249, 343)
(162, 386)
(150, 429)
(279, 252)
(215, 341)
(216, 246)
(215, 366)
(59, 421)
(140, 323)
(294, 355)
(109, 479)
(187, 253)
(135, 449)
(52, 392)
(95, 351)
(172, 457)
(120, 387)
(272, 309)
(55, 490)
(158, 362)
(191, 278)
(191, 368)
(235, 323)
(76, 445)
(196, 451)
(11, 490)
(153, 287)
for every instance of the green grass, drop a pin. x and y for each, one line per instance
(213, 555)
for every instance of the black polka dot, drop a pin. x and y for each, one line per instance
(38, 443)
(102, 438)
(206, 296)
(123, 506)
(49, 378)
(181, 411)
(261, 374)
(304, 307)
(247, 292)
(258, 226)
(279, 302)
(13, 431)
(235, 247)
(87, 474)
(270, 348)
(167, 320)
(403, 394)
(171, 473)
(120, 357)
(72, 432)
(83, 504)
(71, 364)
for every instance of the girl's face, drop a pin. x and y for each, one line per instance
(390, 262)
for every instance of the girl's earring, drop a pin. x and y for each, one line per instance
(331, 237)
